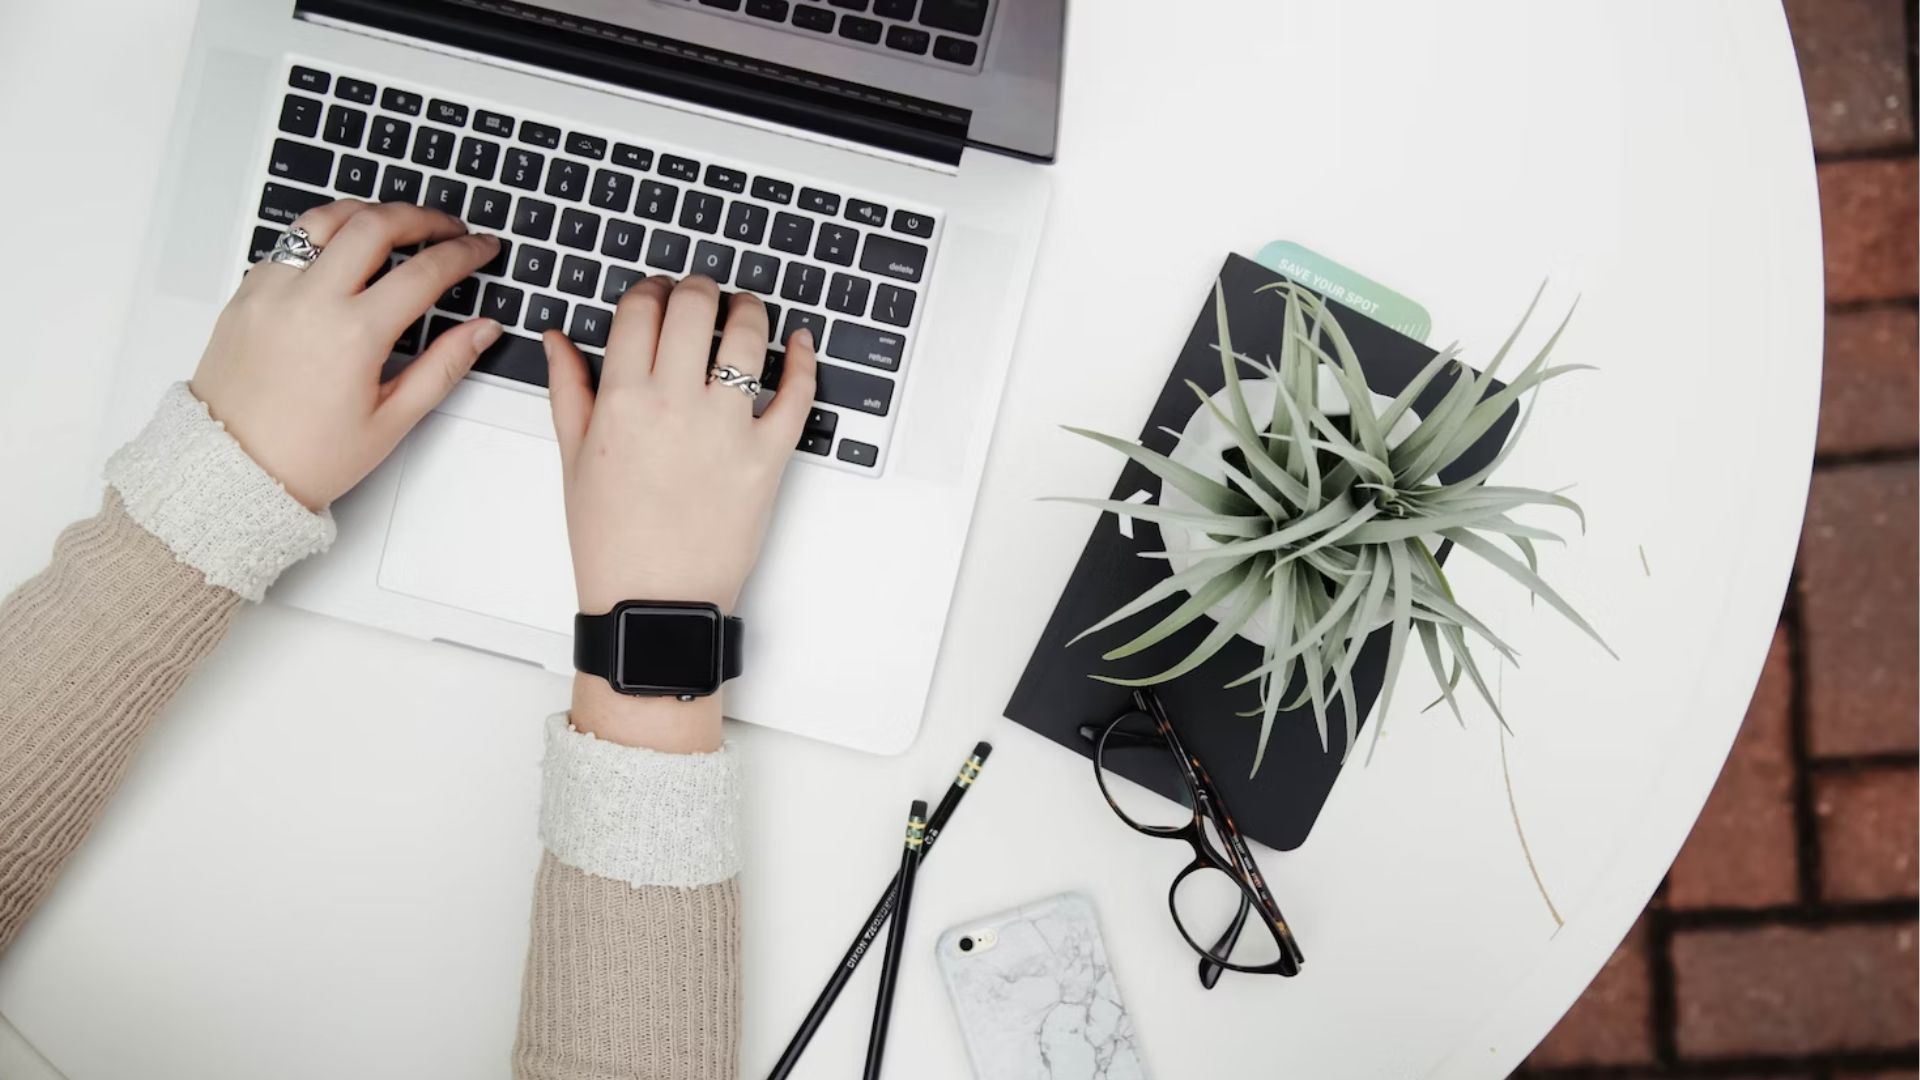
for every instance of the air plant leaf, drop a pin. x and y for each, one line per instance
(1209, 493)
(1196, 605)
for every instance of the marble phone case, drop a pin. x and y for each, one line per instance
(1040, 1002)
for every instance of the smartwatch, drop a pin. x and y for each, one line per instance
(659, 648)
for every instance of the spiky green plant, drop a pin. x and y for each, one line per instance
(1328, 530)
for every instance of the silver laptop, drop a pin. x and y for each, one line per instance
(873, 169)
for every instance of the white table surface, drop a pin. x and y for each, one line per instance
(333, 872)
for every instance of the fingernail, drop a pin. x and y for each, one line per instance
(805, 336)
(488, 333)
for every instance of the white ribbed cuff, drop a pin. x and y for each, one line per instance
(186, 481)
(639, 816)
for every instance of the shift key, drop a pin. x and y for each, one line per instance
(850, 389)
(865, 345)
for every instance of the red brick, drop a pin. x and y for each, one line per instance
(1868, 218)
(1612, 1022)
(1853, 66)
(1869, 831)
(1858, 627)
(1784, 990)
(1869, 390)
(1743, 852)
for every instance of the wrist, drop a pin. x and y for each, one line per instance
(656, 723)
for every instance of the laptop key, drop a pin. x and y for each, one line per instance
(746, 223)
(567, 179)
(611, 190)
(534, 265)
(811, 321)
(356, 176)
(433, 147)
(866, 213)
(501, 303)
(767, 189)
(726, 179)
(522, 169)
(836, 244)
(446, 196)
(262, 244)
(860, 29)
(768, 9)
(723, 5)
(668, 251)
(493, 123)
(590, 326)
(894, 258)
(579, 276)
(893, 305)
(822, 421)
(627, 155)
(803, 284)
(893, 9)
(791, 233)
(814, 443)
(906, 221)
(820, 202)
(656, 200)
(306, 78)
(346, 126)
(497, 266)
(851, 389)
(960, 16)
(409, 341)
(623, 240)
(447, 112)
(866, 345)
(619, 280)
(300, 115)
(298, 161)
(401, 101)
(701, 212)
(540, 135)
(356, 90)
(400, 185)
(489, 208)
(955, 50)
(579, 229)
(713, 260)
(847, 294)
(680, 168)
(858, 453)
(586, 146)
(462, 298)
(522, 359)
(534, 218)
(819, 20)
(389, 138)
(758, 272)
(908, 40)
(546, 313)
(477, 158)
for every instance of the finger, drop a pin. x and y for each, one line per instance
(427, 381)
(743, 344)
(364, 241)
(570, 389)
(404, 295)
(786, 417)
(686, 335)
(635, 333)
(320, 223)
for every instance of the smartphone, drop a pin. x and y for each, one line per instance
(1035, 996)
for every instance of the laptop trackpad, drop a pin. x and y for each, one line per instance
(480, 524)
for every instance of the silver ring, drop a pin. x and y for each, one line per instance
(294, 248)
(728, 375)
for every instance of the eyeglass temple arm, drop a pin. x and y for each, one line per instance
(1209, 970)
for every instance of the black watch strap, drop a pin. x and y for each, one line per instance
(596, 640)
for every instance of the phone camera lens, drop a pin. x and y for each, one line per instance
(966, 944)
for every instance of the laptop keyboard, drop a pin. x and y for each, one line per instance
(583, 215)
(949, 34)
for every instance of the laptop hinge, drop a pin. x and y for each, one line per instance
(651, 64)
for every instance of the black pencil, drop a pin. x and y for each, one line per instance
(877, 919)
(910, 854)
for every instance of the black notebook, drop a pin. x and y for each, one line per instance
(1055, 695)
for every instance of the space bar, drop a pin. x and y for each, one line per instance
(514, 357)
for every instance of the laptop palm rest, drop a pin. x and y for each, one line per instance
(479, 524)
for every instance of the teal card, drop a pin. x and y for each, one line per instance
(1354, 290)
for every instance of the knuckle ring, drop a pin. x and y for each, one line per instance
(294, 248)
(728, 375)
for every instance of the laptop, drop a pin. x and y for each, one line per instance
(873, 169)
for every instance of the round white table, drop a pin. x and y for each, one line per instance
(333, 872)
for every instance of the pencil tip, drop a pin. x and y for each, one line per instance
(982, 749)
(919, 809)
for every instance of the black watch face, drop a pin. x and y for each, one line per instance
(668, 650)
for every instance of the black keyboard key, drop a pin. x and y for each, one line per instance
(822, 421)
(859, 453)
(656, 200)
(811, 321)
(611, 190)
(866, 213)
(522, 359)
(758, 272)
(446, 196)
(433, 147)
(836, 244)
(820, 202)
(534, 265)
(850, 5)
(723, 5)
(746, 223)
(619, 280)
(893, 305)
(478, 157)
(400, 185)
(586, 146)
(263, 240)
(401, 101)
(590, 326)
(356, 176)
(819, 20)
(803, 283)
(298, 161)
(856, 28)
(791, 233)
(579, 229)
(955, 50)
(768, 9)
(349, 89)
(489, 208)
(493, 123)
(522, 169)
(773, 320)
(960, 16)
(701, 212)
(724, 307)
(908, 40)
(447, 112)
(680, 168)
(894, 258)
(346, 126)
(310, 79)
(532, 217)
(462, 298)
(813, 443)
(579, 276)
(497, 266)
(389, 138)
(866, 345)
(300, 115)
(906, 221)
(501, 303)
(668, 251)
(847, 294)
(540, 135)
(715, 261)
(409, 341)
(768, 189)
(850, 389)
(893, 9)
(726, 179)
(546, 313)
(627, 155)
(623, 240)
(567, 179)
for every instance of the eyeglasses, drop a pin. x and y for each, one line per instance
(1222, 890)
